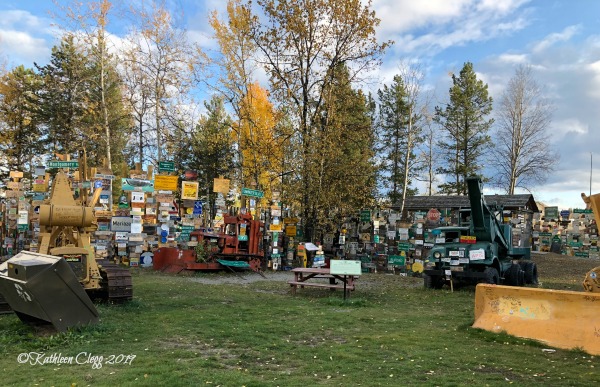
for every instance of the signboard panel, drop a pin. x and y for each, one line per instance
(397, 260)
(165, 182)
(365, 216)
(253, 192)
(63, 164)
(137, 185)
(221, 185)
(168, 166)
(551, 213)
(121, 223)
(343, 267)
(189, 190)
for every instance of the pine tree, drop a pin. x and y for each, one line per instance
(466, 128)
(400, 135)
(21, 136)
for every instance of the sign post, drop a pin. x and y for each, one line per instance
(345, 268)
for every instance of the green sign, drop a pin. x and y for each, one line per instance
(404, 246)
(582, 211)
(398, 260)
(168, 166)
(545, 234)
(63, 164)
(253, 192)
(576, 244)
(551, 212)
(365, 216)
(582, 254)
(22, 227)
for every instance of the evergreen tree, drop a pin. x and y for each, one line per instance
(64, 99)
(21, 137)
(400, 134)
(342, 159)
(209, 149)
(464, 122)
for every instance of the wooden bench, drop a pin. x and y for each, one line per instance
(295, 284)
(303, 275)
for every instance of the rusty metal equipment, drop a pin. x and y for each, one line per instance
(238, 240)
(42, 289)
(482, 252)
(65, 227)
(563, 319)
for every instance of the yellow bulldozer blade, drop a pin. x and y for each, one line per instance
(558, 318)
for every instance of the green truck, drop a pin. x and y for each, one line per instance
(480, 252)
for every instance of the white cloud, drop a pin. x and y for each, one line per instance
(594, 69)
(569, 126)
(426, 28)
(28, 49)
(25, 38)
(512, 59)
(556, 37)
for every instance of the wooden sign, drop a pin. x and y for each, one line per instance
(221, 185)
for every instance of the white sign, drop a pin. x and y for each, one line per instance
(477, 255)
(343, 267)
(121, 223)
(137, 197)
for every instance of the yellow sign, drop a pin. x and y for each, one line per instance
(40, 188)
(189, 190)
(221, 185)
(16, 174)
(165, 183)
(276, 228)
(290, 230)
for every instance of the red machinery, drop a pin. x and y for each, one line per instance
(238, 240)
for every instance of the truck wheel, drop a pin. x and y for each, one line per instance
(531, 273)
(514, 276)
(432, 281)
(491, 276)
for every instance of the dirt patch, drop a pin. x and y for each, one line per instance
(563, 267)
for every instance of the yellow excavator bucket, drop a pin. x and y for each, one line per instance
(558, 318)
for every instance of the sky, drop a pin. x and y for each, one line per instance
(558, 39)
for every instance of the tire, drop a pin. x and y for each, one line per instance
(531, 272)
(514, 276)
(491, 276)
(432, 281)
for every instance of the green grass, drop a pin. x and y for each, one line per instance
(392, 332)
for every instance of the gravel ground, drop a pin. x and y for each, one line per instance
(550, 265)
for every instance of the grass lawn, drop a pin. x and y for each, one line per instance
(180, 331)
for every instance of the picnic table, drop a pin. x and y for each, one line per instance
(304, 276)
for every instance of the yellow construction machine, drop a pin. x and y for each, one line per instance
(560, 318)
(65, 226)
(591, 283)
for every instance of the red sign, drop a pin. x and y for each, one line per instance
(433, 215)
